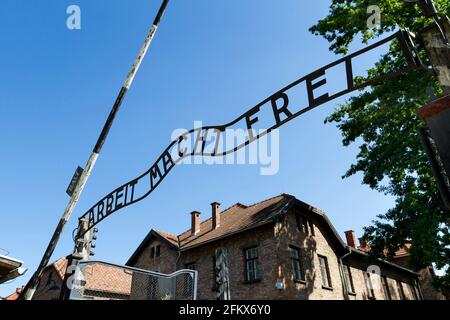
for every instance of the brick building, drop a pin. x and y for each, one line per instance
(427, 275)
(280, 248)
(101, 282)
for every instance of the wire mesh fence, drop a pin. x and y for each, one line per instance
(95, 280)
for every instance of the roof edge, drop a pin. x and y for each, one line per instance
(144, 242)
(384, 261)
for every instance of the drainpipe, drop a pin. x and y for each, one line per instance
(178, 253)
(341, 267)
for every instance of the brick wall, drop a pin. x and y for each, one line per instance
(165, 263)
(311, 247)
(263, 238)
(49, 287)
(360, 265)
(273, 242)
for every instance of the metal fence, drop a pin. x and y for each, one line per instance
(96, 280)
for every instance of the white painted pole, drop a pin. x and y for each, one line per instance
(32, 285)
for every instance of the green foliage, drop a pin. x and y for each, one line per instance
(383, 122)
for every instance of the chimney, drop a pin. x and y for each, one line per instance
(215, 215)
(195, 222)
(362, 242)
(350, 236)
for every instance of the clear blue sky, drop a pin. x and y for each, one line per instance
(210, 61)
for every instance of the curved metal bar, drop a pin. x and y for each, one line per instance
(166, 161)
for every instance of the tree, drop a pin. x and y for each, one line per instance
(383, 121)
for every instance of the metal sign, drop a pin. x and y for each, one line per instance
(74, 182)
(279, 105)
(222, 277)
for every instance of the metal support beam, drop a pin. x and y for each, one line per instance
(437, 113)
(32, 285)
(437, 144)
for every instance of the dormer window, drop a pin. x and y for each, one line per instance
(302, 224)
(305, 225)
(311, 226)
(155, 251)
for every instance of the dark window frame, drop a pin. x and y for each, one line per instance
(256, 267)
(298, 260)
(369, 286)
(311, 227)
(348, 280)
(386, 289)
(417, 290)
(152, 252)
(412, 288)
(157, 251)
(50, 278)
(302, 223)
(401, 290)
(329, 284)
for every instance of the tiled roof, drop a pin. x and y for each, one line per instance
(237, 218)
(173, 239)
(60, 266)
(99, 277)
(400, 253)
(107, 279)
(15, 295)
(403, 252)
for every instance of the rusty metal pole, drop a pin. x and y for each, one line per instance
(32, 285)
(437, 113)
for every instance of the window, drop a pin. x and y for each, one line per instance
(251, 265)
(412, 288)
(369, 286)
(348, 279)
(401, 293)
(297, 267)
(152, 252)
(387, 291)
(155, 251)
(325, 272)
(302, 224)
(417, 292)
(50, 278)
(311, 226)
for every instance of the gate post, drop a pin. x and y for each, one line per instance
(435, 39)
(437, 145)
(72, 265)
(82, 251)
(437, 113)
